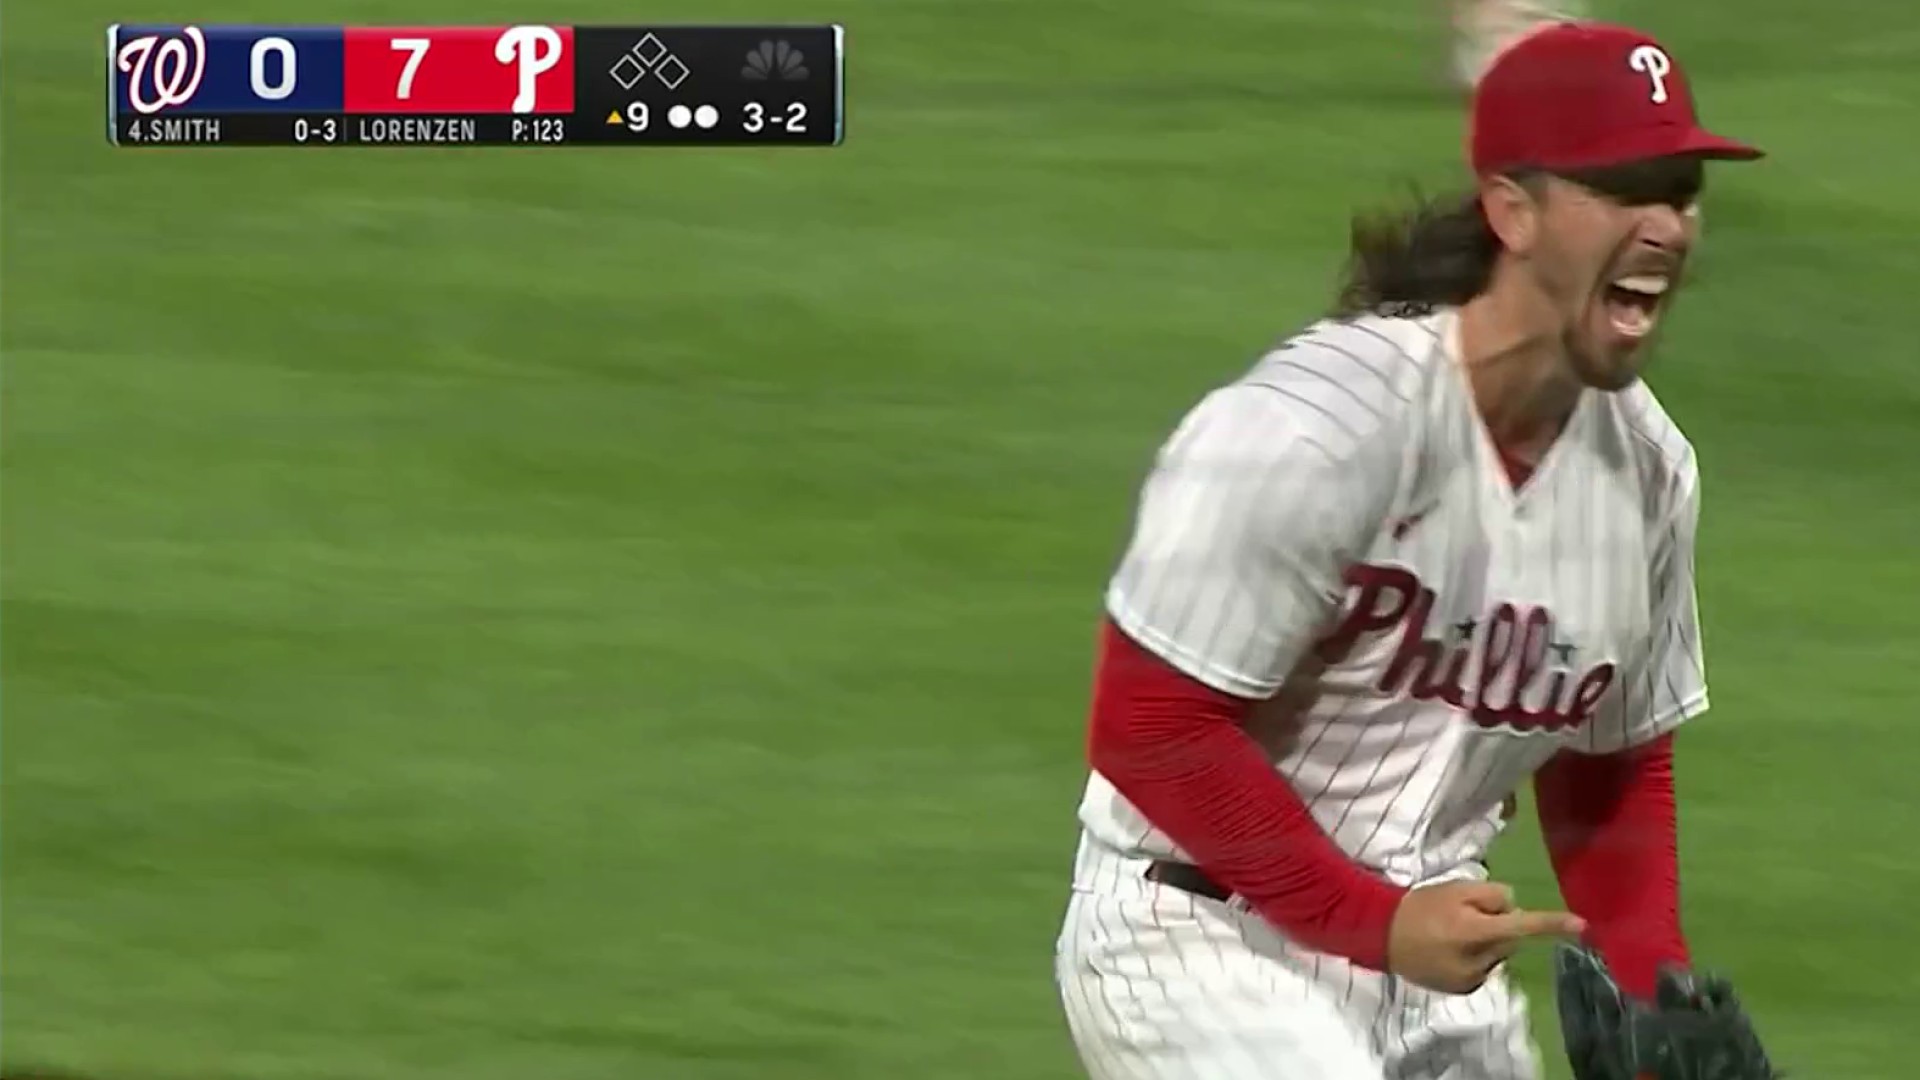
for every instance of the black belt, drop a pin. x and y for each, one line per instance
(1191, 879)
(1187, 878)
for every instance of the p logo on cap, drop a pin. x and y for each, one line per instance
(1586, 95)
(1656, 63)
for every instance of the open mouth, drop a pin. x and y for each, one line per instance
(1633, 302)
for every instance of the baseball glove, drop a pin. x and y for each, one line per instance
(1695, 1029)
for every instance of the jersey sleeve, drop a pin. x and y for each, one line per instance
(1668, 685)
(1242, 533)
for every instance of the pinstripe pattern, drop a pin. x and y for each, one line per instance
(1158, 985)
(1670, 686)
(1342, 497)
(1274, 487)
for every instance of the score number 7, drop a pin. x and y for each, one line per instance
(416, 50)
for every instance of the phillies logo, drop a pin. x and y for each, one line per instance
(1512, 649)
(1656, 65)
(162, 73)
(532, 51)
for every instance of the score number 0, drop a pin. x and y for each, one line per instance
(257, 69)
(282, 88)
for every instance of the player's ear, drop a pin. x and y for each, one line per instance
(1511, 211)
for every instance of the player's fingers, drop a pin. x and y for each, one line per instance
(1496, 937)
(1540, 924)
(1488, 897)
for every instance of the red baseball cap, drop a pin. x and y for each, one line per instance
(1586, 95)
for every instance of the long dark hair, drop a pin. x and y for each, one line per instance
(1438, 253)
(1441, 252)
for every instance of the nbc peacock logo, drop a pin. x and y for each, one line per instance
(775, 60)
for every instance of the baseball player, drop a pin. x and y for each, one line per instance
(1433, 545)
(1481, 28)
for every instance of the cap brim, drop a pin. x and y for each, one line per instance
(1631, 147)
(1706, 144)
(1652, 144)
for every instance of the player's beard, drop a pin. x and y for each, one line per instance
(1597, 365)
(1600, 354)
(1599, 358)
(1580, 301)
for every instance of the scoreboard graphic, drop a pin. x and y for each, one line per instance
(530, 85)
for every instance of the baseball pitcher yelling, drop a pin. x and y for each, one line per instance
(1432, 546)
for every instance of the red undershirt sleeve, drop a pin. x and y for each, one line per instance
(1175, 748)
(1611, 828)
(1606, 804)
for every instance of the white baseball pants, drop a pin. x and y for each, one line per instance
(1158, 984)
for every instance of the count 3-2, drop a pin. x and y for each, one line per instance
(790, 118)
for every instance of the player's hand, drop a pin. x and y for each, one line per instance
(1449, 937)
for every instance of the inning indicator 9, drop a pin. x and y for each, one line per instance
(529, 85)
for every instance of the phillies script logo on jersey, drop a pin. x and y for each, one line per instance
(1519, 657)
(163, 73)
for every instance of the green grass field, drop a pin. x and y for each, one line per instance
(621, 614)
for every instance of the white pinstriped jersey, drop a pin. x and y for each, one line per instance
(1335, 535)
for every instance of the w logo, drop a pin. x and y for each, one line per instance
(161, 74)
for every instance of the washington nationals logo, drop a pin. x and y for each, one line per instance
(160, 73)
